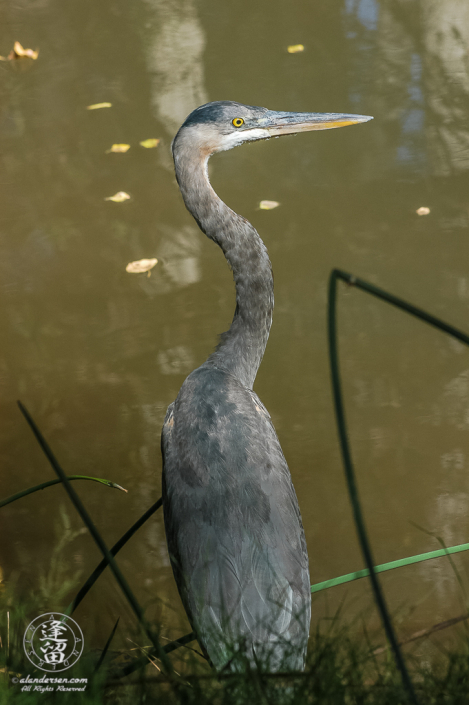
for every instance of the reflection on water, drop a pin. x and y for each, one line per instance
(178, 252)
(174, 56)
(421, 64)
(175, 43)
(98, 354)
(455, 403)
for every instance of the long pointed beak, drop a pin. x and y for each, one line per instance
(278, 123)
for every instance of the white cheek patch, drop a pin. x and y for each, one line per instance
(236, 138)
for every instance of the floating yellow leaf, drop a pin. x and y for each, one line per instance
(268, 205)
(119, 148)
(423, 211)
(118, 197)
(295, 48)
(141, 265)
(148, 144)
(97, 106)
(18, 52)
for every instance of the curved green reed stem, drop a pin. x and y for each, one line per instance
(49, 483)
(372, 570)
(352, 486)
(419, 558)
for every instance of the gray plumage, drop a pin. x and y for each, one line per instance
(233, 525)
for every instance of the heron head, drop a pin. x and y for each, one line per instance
(224, 124)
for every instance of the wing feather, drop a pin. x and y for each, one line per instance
(233, 524)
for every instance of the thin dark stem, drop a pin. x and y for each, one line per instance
(114, 550)
(401, 304)
(353, 491)
(106, 647)
(142, 661)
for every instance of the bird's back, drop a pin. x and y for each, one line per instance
(233, 525)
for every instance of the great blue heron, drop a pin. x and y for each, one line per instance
(233, 525)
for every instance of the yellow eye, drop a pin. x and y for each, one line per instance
(237, 122)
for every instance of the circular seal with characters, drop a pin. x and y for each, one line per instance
(53, 642)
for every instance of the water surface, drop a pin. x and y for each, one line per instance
(97, 354)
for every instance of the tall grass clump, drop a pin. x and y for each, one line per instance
(344, 667)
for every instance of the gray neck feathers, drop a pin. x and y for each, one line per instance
(242, 347)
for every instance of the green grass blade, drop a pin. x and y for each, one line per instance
(49, 483)
(325, 584)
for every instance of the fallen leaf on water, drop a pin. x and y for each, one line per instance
(268, 205)
(423, 211)
(119, 148)
(18, 52)
(97, 106)
(295, 48)
(141, 265)
(148, 144)
(118, 197)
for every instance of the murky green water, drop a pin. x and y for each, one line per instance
(97, 354)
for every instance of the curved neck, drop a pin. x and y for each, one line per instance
(242, 347)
